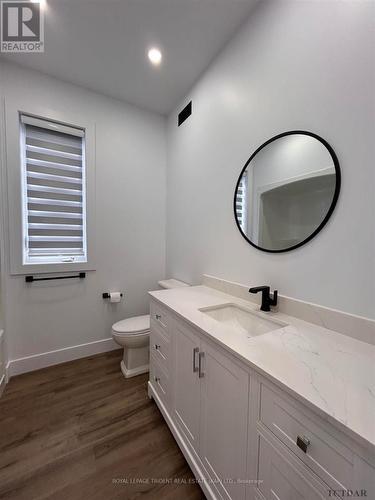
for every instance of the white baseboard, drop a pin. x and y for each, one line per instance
(37, 361)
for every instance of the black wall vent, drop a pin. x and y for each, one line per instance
(185, 113)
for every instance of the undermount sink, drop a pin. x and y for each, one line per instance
(241, 320)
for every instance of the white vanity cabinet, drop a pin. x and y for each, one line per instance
(282, 476)
(186, 403)
(2, 362)
(330, 462)
(239, 431)
(161, 356)
(210, 400)
(207, 407)
(224, 421)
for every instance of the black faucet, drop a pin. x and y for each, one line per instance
(267, 301)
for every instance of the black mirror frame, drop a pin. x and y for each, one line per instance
(335, 195)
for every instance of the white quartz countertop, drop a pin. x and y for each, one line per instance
(333, 373)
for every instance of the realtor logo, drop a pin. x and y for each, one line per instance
(22, 26)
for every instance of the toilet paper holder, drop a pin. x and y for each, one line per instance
(106, 295)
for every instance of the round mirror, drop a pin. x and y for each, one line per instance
(287, 191)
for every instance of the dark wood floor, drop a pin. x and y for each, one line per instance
(81, 431)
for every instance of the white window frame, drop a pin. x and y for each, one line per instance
(16, 185)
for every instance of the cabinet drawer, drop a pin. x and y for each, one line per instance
(159, 346)
(159, 317)
(328, 457)
(159, 380)
(282, 476)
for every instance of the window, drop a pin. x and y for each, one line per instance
(241, 202)
(53, 192)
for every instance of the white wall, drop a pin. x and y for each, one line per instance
(130, 223)
(295, 65)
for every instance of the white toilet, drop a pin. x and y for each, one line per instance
(133, 334)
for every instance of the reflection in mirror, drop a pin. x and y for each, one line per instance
(287, 191)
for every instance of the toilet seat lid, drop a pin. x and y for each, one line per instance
(135, 325)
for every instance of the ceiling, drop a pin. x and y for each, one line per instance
(102, 45)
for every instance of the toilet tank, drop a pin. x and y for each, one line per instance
(171, 283)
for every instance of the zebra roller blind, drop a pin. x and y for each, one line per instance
(241, 202)
(54, 203)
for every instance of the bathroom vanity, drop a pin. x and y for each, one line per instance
(2, 362)
(263, 405)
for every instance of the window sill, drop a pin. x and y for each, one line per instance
(64, 267)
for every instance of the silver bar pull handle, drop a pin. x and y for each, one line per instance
(200, 363)
(303, 442)
(195, 352)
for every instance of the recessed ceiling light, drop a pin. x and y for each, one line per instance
(155, 56)
(41, 2)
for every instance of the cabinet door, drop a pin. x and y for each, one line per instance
(223, 431)
(187, 390)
